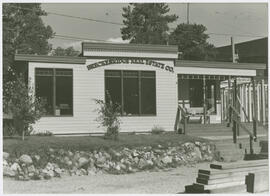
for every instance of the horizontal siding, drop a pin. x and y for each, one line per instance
(89, 85)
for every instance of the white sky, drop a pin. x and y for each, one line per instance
(226, 18)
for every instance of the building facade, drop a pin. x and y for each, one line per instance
(147, 81)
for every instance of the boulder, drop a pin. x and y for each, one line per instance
(5, 155)
(167, 159)
(198, 153)
(49, 166)
(31, 169)
(8, 172)
(37, 157)
(15, 167)
(142, 163)
(82, 162)
(26, 159)
(5, 163)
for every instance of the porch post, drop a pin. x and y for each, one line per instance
(236, 126)
(204, 100)
(250, 115)
(263, 102)
(229, 98)
(254, 108)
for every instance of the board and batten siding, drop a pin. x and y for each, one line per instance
(89, 85)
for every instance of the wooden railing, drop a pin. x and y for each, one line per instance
(181, 118)
(243, 109)
(234, 117)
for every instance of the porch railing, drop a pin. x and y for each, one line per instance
(181, 118)
(234, 117)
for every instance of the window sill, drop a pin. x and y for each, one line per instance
(57, 116)
(140, 115)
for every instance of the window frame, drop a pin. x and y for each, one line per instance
(54, 75)
(139, 91)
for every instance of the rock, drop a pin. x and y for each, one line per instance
(69, 163)
(167, 159)
(51, 150)
(83, 172)
(26, 159)
(150, 162)
(82, 162)
(5, 163)
(31, 169)
(8, 172)
(142, 163)
(37, 157)
(15, 167)
(118, 168)
(70, 154)
(77, 156)
(198, 153)
(100, 161)
(136, 159)
(5, 155)
(49, 166)
(135, 154)
(61, 151)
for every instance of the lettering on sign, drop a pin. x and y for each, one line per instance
(131, 61)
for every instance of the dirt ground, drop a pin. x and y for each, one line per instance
(160, 182)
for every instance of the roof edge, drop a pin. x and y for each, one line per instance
(51, 59)
(219, 64)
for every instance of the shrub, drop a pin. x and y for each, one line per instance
(46, 133)
(109, 114)
(20, 102)
(157, 130)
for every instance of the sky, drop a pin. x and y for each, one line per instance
(243, 21)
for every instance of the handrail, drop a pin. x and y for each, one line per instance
(183, 115)
(236, 121)
(243, 109)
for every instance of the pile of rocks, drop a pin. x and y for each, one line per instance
(125, 160)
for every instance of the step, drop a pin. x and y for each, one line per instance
(235, 170)
(221, 180)
(229, 174)
(203, 187)
(244, 164)
(232, 189)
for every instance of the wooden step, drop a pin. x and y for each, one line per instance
(243, 164)
(203, 187)
(235, 170)
(233, 178)
(232, 189)
(230, 173)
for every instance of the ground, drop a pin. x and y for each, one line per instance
(160, 182)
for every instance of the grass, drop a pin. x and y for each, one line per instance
(32, 144)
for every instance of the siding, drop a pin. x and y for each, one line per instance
(89, 85)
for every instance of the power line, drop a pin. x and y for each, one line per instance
(70, 16)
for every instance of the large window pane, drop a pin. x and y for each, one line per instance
(148, 96)
(44, 90)
(113, 88)
(64, 101)
(131, 92)
(196, 93)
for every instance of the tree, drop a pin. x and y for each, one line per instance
(192, 42)
(70, 51)
(146, 23)
(23, 32)
(20, 102)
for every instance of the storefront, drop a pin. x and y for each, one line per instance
(146, 80)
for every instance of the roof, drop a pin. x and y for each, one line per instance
(50, 59)
(130, 47)
(214, 64)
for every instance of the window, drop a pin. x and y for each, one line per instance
(55, 86)
(135, 91)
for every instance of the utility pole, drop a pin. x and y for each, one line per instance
(233, 51)
(187, 13)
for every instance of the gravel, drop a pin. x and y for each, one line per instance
(162, 182)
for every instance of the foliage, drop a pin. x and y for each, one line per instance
(46, 133)
(70, 51)
(20, 102)
(192, 42)
(157, 130)
(146, 23)
(109, 114)
(23, 32)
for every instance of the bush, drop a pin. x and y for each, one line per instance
(157, 130)
(46, 133)
(109, 114)
(19, 101)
